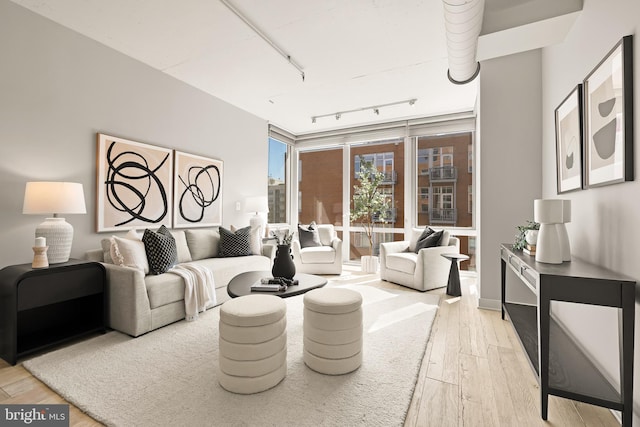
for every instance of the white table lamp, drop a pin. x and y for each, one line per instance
(54, 198)
(553, 241)
(257, 205)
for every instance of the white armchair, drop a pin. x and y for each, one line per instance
(424, 270)
(323, 259)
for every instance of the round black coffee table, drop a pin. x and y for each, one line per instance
(241, 284)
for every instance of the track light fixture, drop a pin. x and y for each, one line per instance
(375, 108)
(264, 37)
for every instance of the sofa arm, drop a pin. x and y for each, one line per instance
(388, 248)
(295, 250)
(336, 244)
(128, 307)
(269, 251)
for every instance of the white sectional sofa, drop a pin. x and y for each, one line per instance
(139, 303)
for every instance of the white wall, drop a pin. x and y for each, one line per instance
(59, 88)
(604, 226)
(509, 158)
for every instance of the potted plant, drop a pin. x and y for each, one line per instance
(370, 205)
(526, 234)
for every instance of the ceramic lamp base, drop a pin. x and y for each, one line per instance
(59, 235)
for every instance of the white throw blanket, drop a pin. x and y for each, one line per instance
(199, 288)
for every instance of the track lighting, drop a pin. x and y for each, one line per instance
(375, 108)
(264, 37)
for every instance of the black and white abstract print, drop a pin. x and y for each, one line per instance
(198, 187)
(134, 184)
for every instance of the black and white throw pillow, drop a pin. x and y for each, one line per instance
(235, 244)
(161, 250)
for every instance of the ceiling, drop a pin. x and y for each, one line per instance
(355, 54)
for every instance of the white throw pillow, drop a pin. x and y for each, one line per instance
(129, 253)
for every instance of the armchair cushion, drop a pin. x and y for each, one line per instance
(403, 261)
(318, 255)
(308, 237)
(428, 239)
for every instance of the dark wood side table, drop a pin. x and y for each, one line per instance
(453, 285)
(40, 308)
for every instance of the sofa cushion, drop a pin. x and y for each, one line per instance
(160, 246)
(181, 245)
(235, 244)
(129, 253)
(168, 288)
(203, 243)
(164, 289)
(308, 236)
(402, 261)
(318, 255)
(106, 251)
(255, 239)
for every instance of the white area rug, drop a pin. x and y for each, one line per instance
(168, 377)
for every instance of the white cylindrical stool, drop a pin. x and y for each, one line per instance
(253, 343)
(332, 330)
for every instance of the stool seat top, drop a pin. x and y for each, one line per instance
(333, 300)
(253, 310)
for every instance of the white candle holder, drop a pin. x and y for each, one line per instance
(40, 257)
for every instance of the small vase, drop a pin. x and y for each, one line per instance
(531, 236)
(283, 265)
(369, 263)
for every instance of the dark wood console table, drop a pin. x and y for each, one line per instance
(562, 369)
(40, 308)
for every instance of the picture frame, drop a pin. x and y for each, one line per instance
(608, 107)
(198, 191)
(569, 142)
(134, 188)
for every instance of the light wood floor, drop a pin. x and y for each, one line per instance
(474, 373)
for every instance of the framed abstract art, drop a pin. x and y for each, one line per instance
(133, 184)
(198, 191)
(608, 92)
(569, 142)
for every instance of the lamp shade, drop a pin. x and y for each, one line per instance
(53, 198)
(256, 204)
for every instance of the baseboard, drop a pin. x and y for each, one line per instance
(489, 304)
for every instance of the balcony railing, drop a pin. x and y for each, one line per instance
(390, 177)
(449, 216)
(443, 173)
(392, 215)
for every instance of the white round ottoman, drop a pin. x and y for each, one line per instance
(332, 330)
(253, 343)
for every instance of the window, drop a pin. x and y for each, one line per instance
(444, 169)
(277, 190)
(320, 187)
